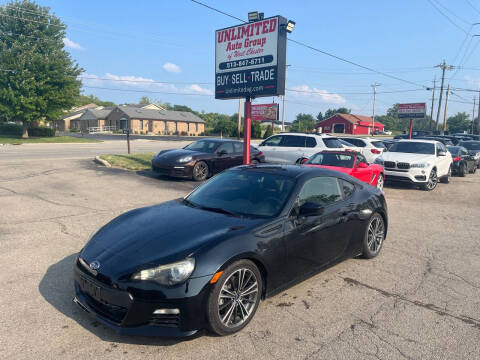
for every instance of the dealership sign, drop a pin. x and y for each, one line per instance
(250, 59)
(264, 112)
(411, 111)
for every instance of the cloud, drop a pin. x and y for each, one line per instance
(171, 67)
(305, 91)
(126, 82)
(72, 44)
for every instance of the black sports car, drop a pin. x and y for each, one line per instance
(206, 260)
(463, 162)
(203, 158)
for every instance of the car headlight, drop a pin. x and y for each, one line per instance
(378, 161)
(420, 165)
(170, 274)
(185, 159)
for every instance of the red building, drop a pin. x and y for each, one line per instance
(348, 124)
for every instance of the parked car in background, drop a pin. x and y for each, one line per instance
(351, 163)
(463, 162)
(473, 148)
(203, 158)
(444, 140)
(292, 148)
(206, 261)
(370, 148)
(349, 147)
(419, 162)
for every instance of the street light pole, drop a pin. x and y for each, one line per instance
(446, 109)
(374, 86)
(283, 101)
(444, 67)
(433, 103)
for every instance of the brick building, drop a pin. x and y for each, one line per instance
(91, 118)
(348, 124)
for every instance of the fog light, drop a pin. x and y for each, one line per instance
(423, 171)
(166, 312)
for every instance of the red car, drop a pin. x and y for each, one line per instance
(351, 163)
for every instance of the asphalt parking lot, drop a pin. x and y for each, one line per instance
(420, 299)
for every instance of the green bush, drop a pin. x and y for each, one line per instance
(268, 132)
(11, 129)
(41, 131)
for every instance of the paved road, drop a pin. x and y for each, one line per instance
(420, 299)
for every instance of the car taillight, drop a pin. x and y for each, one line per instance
(261, 153)
(375, 151)
(458, 158)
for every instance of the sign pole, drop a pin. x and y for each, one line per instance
(247, 131)
(410, 128)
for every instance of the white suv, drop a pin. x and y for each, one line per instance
(370, 148)
(291, 148)
(422, 162)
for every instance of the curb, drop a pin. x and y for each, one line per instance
(101, 161)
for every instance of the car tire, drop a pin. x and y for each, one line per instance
(446, 179)
(461, 170)
(432, 181)
(474, 170)
(374, 236)
(254, 162)
(200, 171)
(380, 182)
(227, 310)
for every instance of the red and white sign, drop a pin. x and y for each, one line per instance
(265, 112)
(413, 110)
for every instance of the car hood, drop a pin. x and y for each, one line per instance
(157, 235)
(406, 157)
(172, 155)
(336, 168)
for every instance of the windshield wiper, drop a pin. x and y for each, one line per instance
(219, 210)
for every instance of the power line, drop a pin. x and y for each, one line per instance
(451, 12)
(446, 16)
(219, 11)
(473, 7)
(353, 93)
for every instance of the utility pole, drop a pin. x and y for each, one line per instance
(446, 109)
(239, 125)
(433, 103)
(444, 67)
(283, 101)
(473, 114)
(374, 86)
(478, 114)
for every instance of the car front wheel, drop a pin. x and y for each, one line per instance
(374, 236)
(432, 181)
(446, 178)
(200, 171)
(234, 298)
(380, 182)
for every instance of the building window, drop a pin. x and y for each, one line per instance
(176, 126)
(196, 127)
(141, 124)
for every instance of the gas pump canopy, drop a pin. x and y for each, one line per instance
(250, 59)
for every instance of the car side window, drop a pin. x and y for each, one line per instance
(439, 148)
(310, 142)
(356, 142)
(348, 188)
(360, 159)
(228, 147)
(238, 147)
(273, 141)
(293, 141)
(322, 191)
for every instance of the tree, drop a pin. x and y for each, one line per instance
(320, 117)
(459, 123)
(145, 100)
(331, 112)
(41, 79)
(91, 99)
(268, 132)
(303, 123)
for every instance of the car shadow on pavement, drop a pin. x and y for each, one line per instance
(56, 287)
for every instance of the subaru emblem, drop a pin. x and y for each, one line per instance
(94, 265)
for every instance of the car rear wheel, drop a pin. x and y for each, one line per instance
(254, 162)
(374, 236)
(461, 171)
(446, 178)
(380, 182)
(200, 171)
(432, 181)
(234, 298)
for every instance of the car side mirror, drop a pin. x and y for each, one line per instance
(362, 165)
(442, 153)
(222, 152)
(303, 161)
(310, 209)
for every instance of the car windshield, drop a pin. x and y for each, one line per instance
(331, 159)
(244, 192)
(413, 147)
(471, 145)
(379, 144)
(332, 143)
(206, 146)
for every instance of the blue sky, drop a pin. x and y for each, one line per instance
(173, 41)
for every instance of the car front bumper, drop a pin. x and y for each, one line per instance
(413, 175)
(131, 310)
(173, 170)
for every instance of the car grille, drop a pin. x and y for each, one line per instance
(113, 312)
(403, 166)
(389, 164)
(172, 320)
(99, 277)
(161, 171)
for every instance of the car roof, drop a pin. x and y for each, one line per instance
(292, 171)
(345, 152)
(304, 134)
(421, 140)
(218, 140)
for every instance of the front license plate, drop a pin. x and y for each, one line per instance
(90, 288)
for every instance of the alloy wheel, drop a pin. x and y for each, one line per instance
(200, 171)
(432, 180)
(376, 234)
(237, 298)
(380, 182)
